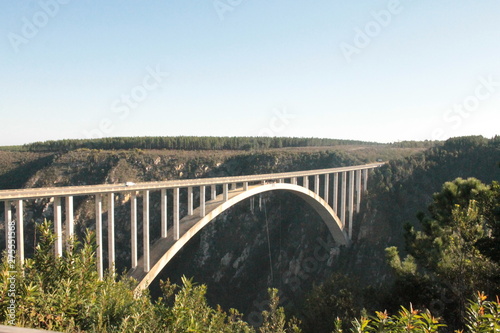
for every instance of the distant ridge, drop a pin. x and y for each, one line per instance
(188, 143)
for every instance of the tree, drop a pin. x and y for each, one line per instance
(65, 294)
(445, 255)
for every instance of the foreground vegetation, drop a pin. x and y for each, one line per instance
(65, 294)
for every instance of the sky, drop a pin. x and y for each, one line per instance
(382, 71)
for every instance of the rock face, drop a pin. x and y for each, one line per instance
(284, 244)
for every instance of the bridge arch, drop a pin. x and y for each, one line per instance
(163, 250)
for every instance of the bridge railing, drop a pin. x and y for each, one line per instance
(323, 182)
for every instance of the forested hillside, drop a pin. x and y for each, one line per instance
(202, 143)
(400, 194)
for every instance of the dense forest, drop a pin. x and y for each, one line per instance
(424, 258)
(200, 143)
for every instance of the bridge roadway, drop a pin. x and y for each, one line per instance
(36, 193)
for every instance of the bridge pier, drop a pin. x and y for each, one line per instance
(202, 201)
(133, 229)
(326, 187)
(176, 214)
(365, 177)
(70, 221)
(20, 231)
(225, 191)
(305, 182)
(145, 230)
(358, 190)
(8, 221)
(58, 226)
(111, 231)
(98, 236)
(213, 192)
(343, 197)
(316, 184)
(190, 201)
(335, 192)
(351, 202)
(164, 212)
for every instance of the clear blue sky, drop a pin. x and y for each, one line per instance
(80, 68)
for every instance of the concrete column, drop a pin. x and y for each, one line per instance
(133, 229)
(98, 231)
(351, 201)
(8, 221)
(294, 180)
(281, 181)
(213, 192)
(190, 201)
(20, 231)
(305, 182)
(145, 230)
(335, 192)
(358, 190)
(111, 232)
(326, 187)
(365, 179)
(252, 204)
(164, 206)
(245, 186)
(58, 226)
(316, 184)
(233, 186)
(176, 214)
(202, 201)
(343, 196)
(70, 221)
(225, 192)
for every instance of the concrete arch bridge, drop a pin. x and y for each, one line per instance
(334, 193)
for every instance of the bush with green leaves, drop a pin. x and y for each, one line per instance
(447, 261)
(65, 294)
(483, 316)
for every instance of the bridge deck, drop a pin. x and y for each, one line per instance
(35, 193)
